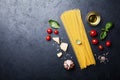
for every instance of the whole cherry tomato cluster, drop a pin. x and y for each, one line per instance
(50, 31)
(95, 41)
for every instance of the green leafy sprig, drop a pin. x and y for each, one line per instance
(105, 30)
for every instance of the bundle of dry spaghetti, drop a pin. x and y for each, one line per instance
(74, 27)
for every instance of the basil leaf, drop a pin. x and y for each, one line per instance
(106, 30)
(103, 35)
(78, 42)
(54, 24)
(108, 26)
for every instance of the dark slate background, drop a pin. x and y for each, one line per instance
(25, 54)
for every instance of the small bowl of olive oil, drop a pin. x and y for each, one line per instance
(93, 18)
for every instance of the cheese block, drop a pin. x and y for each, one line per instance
(64, 46)
(59, 54)
(56, 39)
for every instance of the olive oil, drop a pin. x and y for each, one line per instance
(93, 18)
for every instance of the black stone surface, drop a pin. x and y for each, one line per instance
(26, 55)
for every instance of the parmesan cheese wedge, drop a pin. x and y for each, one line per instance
(59, 54)
(56, 39)
(64, 46)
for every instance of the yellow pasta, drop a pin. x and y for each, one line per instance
(75, 30)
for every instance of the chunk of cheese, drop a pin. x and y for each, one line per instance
(64, 46)
(59, 54)
(56, 39)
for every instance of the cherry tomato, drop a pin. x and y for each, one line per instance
(49, 30)
(108, 43)
(48, 37)
(93, 33)
(56, 32)
(95, 41)
(100, 47)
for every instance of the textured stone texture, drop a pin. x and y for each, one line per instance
(24, 53)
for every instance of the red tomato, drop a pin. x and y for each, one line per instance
(108, 43)
(100, 47)
(48, 38)
(56, 32)
(49, 30)
(93, 33)
(95, 41)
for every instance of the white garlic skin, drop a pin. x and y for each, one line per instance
(69, 64)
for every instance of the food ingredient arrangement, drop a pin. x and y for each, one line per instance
(75, 29)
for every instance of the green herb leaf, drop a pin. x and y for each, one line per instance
(54, 24)
(78, 42)
(103, 35)
(107, 30)
(108, 25)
